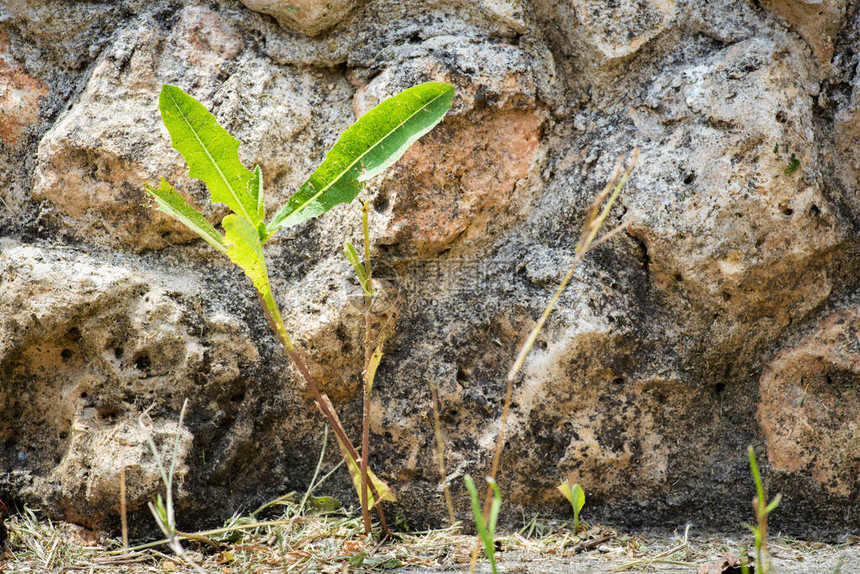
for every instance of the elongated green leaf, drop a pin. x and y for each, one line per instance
(175, 205)
(212, 154)
(245, 250)
(759, 487)
(486, 532)
(773, 503)
(378, 139)
(352, 256)
(380, 486)
(495, 508)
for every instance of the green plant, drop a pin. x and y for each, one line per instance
(761, 508)
(364, 150)
(576, 496)
(486, 527)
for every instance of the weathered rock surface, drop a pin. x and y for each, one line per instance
(809, 399)
(453, 182)
(95, 159)
(725, 316)
(604, 35)
(304, 16)
(817, 22)
(19, 96)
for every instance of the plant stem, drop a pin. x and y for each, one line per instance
(123, 507)
(277, 323)
(316, 473)
(368, 354)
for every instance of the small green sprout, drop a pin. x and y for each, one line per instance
(486, 528)
(576, 496)
(761, 508)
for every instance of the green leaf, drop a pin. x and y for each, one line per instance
(325, 503)
(793, 165)
(578, 497)
(387, 564)
(575, 495)
(175, 205)
(759, 488)
(375, 359)
(212, 154)
(352, 257)
(378, 139)
(495, 507)
(357, 560)
(245, 250)
(564, 488)
(773, 504)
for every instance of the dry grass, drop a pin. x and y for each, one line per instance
(326, 541)
(320, 541)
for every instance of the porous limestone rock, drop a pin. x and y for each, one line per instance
(724, 315)
(809, 410)
(86, 346)
(19, 96)
(95, 160)
(600, 35)
(816, 21)
(736, 199)
(305, 16)
(465, 173)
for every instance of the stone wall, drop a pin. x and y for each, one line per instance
(726, 316)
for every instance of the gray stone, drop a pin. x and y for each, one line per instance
(305, 16)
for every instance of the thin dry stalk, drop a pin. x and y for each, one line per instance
(594, 219)
(595, 216)
(299, 362)
(762, 552)
(372, 487)
(440, 453)
(123, 508)
(659, 557)
(199, 536)
(313, 484)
